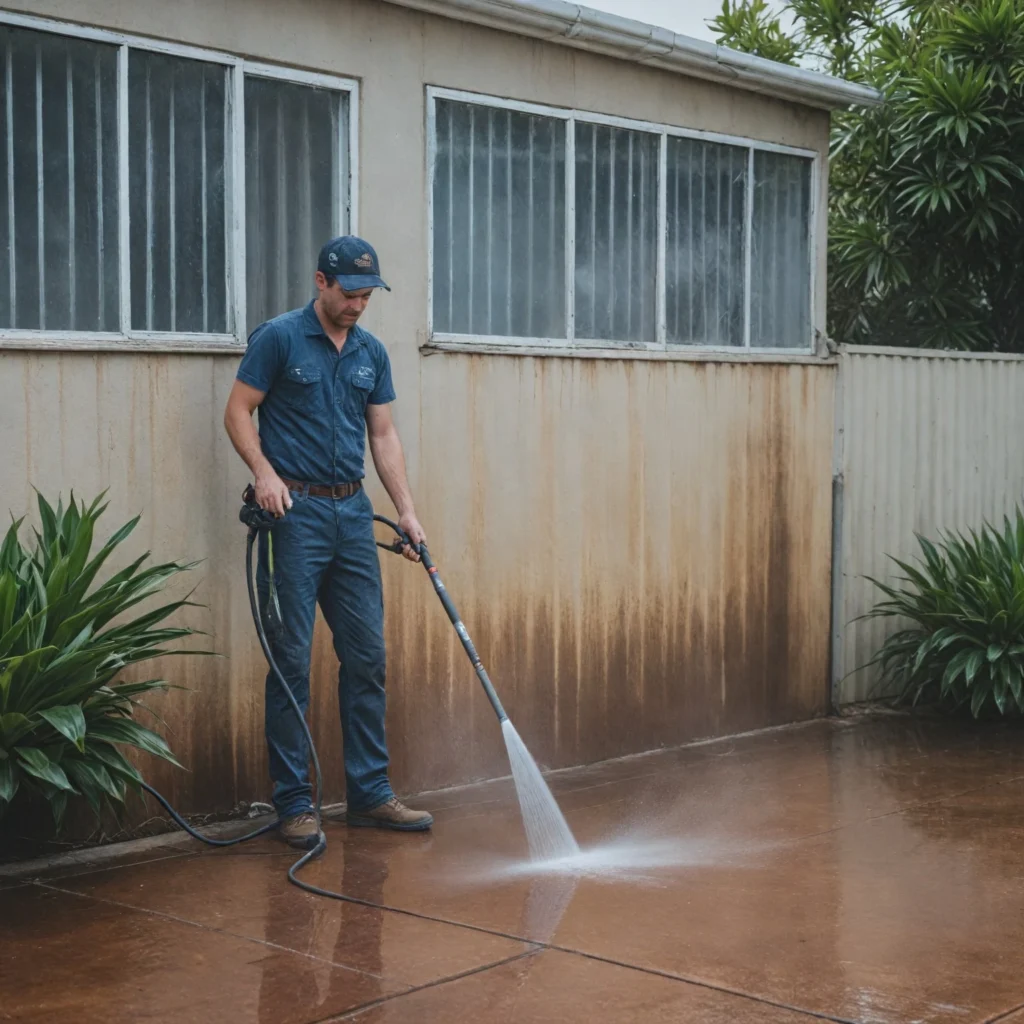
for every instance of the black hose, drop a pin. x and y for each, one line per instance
(182, 823)
(254, 608)
(321, 843)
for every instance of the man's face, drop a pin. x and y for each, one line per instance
(342, 308)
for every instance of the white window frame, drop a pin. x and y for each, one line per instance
(571, 116)
(346, 214)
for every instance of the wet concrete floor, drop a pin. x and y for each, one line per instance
(866, 870)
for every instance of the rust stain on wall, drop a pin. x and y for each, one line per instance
(656, 563)
(640, 551)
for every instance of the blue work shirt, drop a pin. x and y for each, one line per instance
(312, 422)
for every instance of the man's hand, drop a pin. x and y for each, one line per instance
(272, 493)
(414, 531)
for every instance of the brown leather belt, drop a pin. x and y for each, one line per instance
(322, 490)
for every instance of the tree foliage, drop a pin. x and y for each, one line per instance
(927, 190)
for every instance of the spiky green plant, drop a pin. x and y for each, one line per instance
(965, 600)
(64, 640)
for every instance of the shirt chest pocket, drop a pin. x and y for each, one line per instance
(362, 380)
(302, 388)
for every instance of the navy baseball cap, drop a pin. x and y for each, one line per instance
(353, 262)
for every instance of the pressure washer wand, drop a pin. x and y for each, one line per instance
(397, 547)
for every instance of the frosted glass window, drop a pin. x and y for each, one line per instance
(499, 222)
(58, 183)
(177, 159)
(616, 233)
(295, 139)
(704, 253)
(781, 252)
(671, 239)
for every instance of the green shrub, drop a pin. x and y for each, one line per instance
(965, 601)
(63, 643)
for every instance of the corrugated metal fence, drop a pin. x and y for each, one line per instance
(925, 441)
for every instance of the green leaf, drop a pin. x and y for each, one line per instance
(956, 667)
(93, 776)
(978, 700)
(69, 721)
(995, 651)
(49, 519)
(8, 780)
(58, 805)
(13, 726)
(115, 762)
(123, 730)
(36, 763)
(974, 662)
(999, 692)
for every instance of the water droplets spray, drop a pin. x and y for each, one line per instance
(547, 831)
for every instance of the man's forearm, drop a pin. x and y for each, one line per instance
(246, 441)
(389, 460)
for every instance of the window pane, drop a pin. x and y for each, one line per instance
(58, 176)
(616, 236)
(704, 264)
(293, 176)
(499, 223)
(177, 126)
(781, 264)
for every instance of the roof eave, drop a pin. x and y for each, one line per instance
(584, 28)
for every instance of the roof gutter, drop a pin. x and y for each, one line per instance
(584, 28)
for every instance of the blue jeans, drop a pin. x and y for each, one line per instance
(324, 551)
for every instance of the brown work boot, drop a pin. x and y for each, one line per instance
(392, 814)
(300, 830)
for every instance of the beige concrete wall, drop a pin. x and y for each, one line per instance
(641, 548)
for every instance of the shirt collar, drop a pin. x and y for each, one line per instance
(314, 329)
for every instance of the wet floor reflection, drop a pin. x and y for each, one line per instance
(871, 872)
(351, 936)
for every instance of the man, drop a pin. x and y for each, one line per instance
(322, 384)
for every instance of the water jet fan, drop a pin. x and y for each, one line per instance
(547, 831)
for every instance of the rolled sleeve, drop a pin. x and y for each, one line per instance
(262, 360)
(384, 389)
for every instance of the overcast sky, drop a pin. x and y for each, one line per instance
(685, 16)
(688, 17)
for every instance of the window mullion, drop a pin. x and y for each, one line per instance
(570, 230)
(431, 210)
(812, 248)
(40, 190)
(123, 213)
(748, 245)
(661, 284)
(234, 263)
(349, 160)
(12, 269)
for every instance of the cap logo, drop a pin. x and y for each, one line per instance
(366, 260)
(333, 257)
